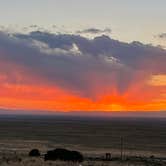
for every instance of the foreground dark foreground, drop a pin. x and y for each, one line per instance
(64, 157)
(144, 140)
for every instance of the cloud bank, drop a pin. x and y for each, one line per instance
(72, 72)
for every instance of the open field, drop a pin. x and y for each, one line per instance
(41, 162)
(93, 137)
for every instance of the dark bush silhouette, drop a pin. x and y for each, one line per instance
(34, 153)
(64, 155)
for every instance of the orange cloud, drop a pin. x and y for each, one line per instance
(45, 97)
(158, 80)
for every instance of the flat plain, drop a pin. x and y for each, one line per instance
(91, 136)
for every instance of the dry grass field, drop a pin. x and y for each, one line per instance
(93, 137)
(27, 161)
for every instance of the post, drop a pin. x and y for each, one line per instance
(121, 148)
(108, 156)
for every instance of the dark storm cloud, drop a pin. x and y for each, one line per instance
(131, 54)
(95, 31)
(54, 41)
(80, 64)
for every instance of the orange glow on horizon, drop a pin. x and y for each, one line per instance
(30, 93)
(21, 97)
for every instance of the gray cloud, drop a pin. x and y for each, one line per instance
(95, 31)
(81, 65)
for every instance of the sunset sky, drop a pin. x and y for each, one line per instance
(77, 55)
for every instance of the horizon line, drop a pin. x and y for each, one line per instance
(107, 114)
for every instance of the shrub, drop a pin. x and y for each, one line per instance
(34, 153)
(64, 155)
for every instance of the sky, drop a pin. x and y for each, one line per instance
(79, 55)
(129, 19)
